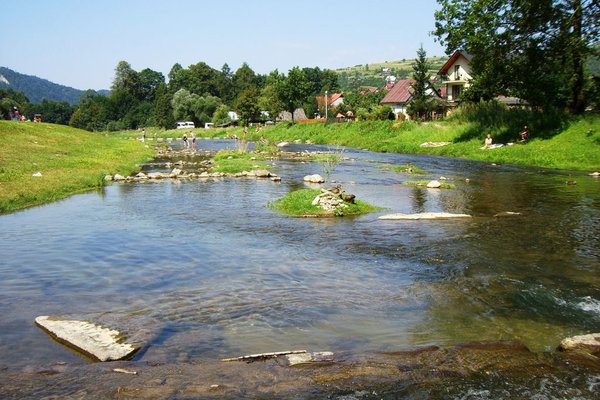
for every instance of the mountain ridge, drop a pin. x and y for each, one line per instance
(37, 89)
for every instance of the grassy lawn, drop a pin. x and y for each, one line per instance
(70, 161)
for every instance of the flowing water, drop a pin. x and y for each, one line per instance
(203, 269)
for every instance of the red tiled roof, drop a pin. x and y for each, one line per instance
(400, 93)
(330, 99)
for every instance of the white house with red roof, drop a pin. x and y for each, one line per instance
(399, 97)
(456, 75)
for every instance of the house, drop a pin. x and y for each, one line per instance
(399, 97)
(456, 75)
(367, 89)
(333, 100)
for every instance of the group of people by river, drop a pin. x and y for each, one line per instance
(189, 143)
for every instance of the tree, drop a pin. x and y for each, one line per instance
(531, 49)
(269, 98)
(163, 110)
(419, 105)
(221, 115)
(246, 105)
(293, 90)
(149, 82)
(243, 79)
(126, 80)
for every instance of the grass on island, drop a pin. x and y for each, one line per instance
(70, 161)
(233, 162)
(444, 185)
(299, 204)
(406, 168)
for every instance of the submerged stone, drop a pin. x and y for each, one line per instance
(427, 215)
(588, 343)
(93, 340)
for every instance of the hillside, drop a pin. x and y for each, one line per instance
(36, 89)
(375, 74)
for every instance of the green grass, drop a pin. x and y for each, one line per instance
(406, 169)
(444, 185)
(575, 145)
(299, 204)
(232, 162)
(70, 161)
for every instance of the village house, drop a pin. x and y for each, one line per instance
(456, 75)
(399, 97)
(333, 100)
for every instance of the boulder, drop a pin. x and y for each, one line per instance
(141, 175)
(587, 343)
(118, 177)
(157, 175)
(261, 173)
(176, 172)
(427, 215)
(597, 173)
(37, 174)
(283, 144)
(93, 340)
(316, 178)
(108, 178)
(434, 184)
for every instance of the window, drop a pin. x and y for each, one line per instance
(456, 92)
(456, 72)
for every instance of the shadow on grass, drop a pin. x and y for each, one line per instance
(505, 124)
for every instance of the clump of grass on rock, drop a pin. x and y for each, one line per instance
(299, 204)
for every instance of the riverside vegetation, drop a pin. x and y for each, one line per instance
(72, 160)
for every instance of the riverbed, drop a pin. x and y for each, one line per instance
(198, 270)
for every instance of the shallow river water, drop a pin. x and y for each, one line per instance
(203, 269)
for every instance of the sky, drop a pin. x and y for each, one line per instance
(79, 43)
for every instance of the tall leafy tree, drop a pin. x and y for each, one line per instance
(126, 80)
(246, 105)
(244, 79)
(149, 82)
(293, 90)
(532, 49)
(163, 109)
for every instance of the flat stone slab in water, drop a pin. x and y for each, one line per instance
(307, 358)
(427, 215)
(93, 340)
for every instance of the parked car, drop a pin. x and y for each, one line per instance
(185, 125)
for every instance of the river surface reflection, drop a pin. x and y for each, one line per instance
(204, 269)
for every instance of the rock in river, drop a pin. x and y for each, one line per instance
(316, 178)
(588, 343)
(93, 340)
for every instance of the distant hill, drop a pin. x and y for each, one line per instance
(375, 74)
(36, 89)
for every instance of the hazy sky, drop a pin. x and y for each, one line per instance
(78, 43)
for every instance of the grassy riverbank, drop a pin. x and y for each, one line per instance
(576, 146)
(69, 160)
(569, 144)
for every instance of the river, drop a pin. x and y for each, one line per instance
(203, 269)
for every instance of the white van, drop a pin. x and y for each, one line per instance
(185, 125)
